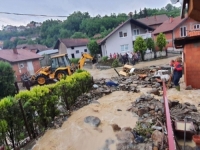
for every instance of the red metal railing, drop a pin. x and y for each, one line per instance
(170, 134)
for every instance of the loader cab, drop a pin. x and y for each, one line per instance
(57, 61)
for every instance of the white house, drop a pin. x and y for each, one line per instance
(73, 47)
(122, 38)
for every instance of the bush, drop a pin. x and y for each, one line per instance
(74, 60)
(40, 106)
(115, 63)
(7, 79)
(104, 58)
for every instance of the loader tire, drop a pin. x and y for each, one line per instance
(41, 79)
(60, 75)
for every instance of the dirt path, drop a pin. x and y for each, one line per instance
(96, 73)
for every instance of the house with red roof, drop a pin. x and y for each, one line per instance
(22, 61)
(154, 21)
(176, 28)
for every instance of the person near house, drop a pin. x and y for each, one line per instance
(139, 56)
(117, 55)
(177, 73)
(110, 55)
(120, 58)
(129, 57)
(133, 59)
(114, 56)
(94, 61)
(136, 58)
(125, 58)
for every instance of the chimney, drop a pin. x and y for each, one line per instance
(155, 17)
(147, 17)
(15, 51)
(171, 19)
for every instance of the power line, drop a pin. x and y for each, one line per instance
(8, 13)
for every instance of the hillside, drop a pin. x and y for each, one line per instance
(78, 25)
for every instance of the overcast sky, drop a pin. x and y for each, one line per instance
(66, 7)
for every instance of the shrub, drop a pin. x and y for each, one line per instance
(7, 79)
(115, 63)
(74, 60)
(39, 106)
(104, 58)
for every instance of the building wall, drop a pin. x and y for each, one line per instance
(142, 31)
(22, 67)
(169, 38)
(191, 65)
(76, 52)
(62, 48)
(114, 42)
(189, 24)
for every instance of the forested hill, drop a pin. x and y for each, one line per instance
(80, 25)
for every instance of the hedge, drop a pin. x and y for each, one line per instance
(30, 113)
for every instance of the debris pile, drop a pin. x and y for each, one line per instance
(130, 84)
(150, 128)
(186, 110)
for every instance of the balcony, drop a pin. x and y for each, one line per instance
(144, 36)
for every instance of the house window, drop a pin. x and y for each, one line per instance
(122, 34)
(77, 51)
(183, 32)
(124, 47)
(85, 50)
(136, 32)
(21, 65)
(196, 26)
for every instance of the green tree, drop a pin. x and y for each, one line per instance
(64, 33)
(77, 35)
(93, 47)
(7, 79)
(150, 43)
(169, 7)
(7, 44)
(161, 41)
(140, 46)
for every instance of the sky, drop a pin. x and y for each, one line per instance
(67, 7)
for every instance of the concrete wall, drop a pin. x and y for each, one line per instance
(114, 42)
(191, 65)
(22, 67)
(77, 51)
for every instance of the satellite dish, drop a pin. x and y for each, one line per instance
(174, 1)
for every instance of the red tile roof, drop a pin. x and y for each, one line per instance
(71, 42)
(154, 20)
(75, 42)
(22, 55)
(32, 47)
(169, 26)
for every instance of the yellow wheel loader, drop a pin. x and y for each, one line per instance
(60, 67)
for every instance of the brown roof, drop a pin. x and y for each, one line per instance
(22, 55)
(154, 20)
(32, 47)
(72, 42)
(142, 25)
(169, 26)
